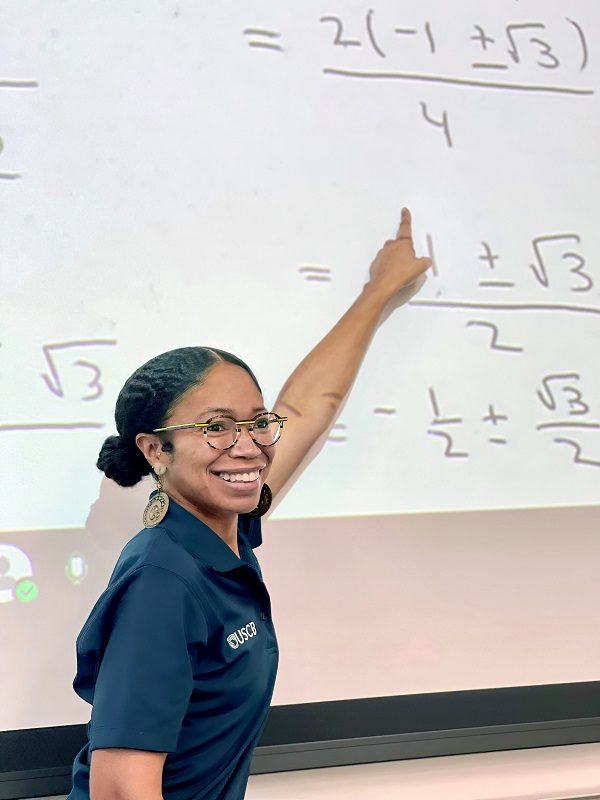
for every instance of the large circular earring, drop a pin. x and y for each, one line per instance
(158, 505)
(264, 503)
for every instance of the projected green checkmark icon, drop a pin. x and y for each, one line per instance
(26, 591)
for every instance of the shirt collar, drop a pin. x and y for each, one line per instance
(199, 540)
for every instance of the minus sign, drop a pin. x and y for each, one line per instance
(10, 176)
(266, 46)
(499, 284)
(498, 441)
(262, 32)
(50, 426)
(323, 270)
(382, 410)
(12, 84)
(480, 65)
(568, 424)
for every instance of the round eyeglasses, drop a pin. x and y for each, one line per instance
(222, 432)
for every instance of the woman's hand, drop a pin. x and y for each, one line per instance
(396, 266)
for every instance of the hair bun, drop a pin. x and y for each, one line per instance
(122, 462)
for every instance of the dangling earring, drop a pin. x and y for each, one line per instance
(158, 505)
(264, 503)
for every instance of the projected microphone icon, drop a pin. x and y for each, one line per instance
(76, 568)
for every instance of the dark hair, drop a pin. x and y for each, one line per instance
(146, 401)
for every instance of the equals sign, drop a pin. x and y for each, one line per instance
(338, 433)
(322, 274)
(268, 39)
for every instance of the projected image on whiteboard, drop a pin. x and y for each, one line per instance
(171, 177)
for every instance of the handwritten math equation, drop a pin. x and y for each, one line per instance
(565, 417)
(565, 420)
(372, 47)
(514, 45)
(73, 371)
(556, 261)
(555, 268)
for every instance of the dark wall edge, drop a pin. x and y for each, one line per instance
(446, 743)
(37, 762)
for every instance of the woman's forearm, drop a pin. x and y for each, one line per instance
(123, 774)
(324, 377)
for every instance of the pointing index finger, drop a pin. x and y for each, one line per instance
(405, 229)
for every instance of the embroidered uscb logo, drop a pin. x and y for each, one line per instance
(241, 635)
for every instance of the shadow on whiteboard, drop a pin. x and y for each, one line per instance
(116, 516)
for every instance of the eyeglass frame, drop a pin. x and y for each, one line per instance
(237, 422)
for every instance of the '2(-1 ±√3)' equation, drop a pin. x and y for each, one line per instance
(11, 84)
(516, 56)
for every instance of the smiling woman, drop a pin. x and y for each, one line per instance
(176, 416)
(217, 472)
(178, 656)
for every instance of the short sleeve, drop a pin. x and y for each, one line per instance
(252, 530)
(145, 673)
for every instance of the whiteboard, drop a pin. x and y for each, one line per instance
(222, 173)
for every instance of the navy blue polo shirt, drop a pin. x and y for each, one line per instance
(179, 656)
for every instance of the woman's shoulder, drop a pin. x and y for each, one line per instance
(149, 570)
(154, 548)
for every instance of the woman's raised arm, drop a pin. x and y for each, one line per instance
(316, 388)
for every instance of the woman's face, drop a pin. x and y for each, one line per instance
(203, 479)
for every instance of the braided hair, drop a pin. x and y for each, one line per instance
(146, 401)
